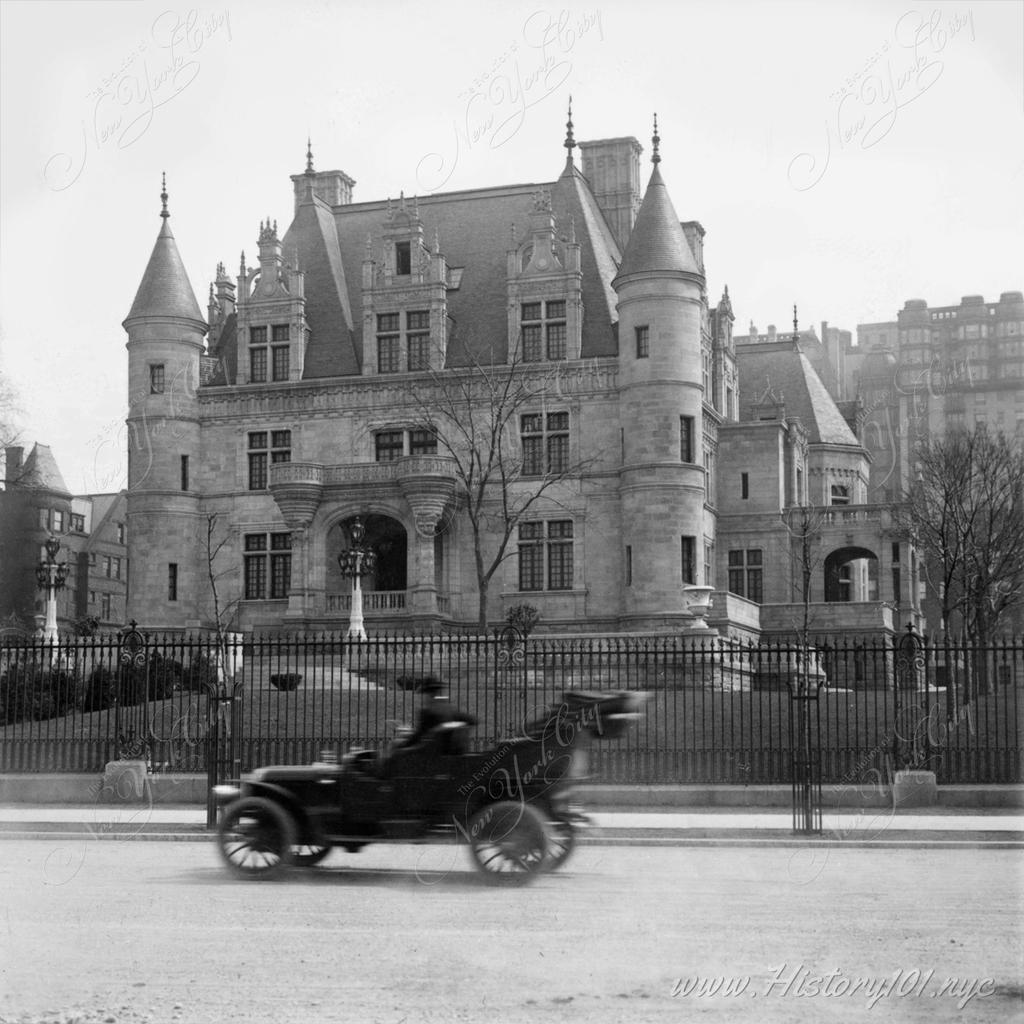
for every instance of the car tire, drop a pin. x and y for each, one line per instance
(508, 842)
(256, 837)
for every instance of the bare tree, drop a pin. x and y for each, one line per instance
(475, 413)
(965, 510)
(223, 612)
(804, 525)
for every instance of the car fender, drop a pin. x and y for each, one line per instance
(284, 797)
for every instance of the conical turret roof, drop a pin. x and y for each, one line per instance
(657, 243)
(165, 289)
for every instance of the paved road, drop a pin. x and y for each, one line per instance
(154, 933)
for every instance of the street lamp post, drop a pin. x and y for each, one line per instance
(51, 577)
(355, 562)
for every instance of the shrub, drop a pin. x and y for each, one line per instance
(30, 691)
(524, 617)
(200, 674)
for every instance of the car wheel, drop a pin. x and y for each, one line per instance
(256, 837)
(308, 855)
(562, 836)
(508, 842)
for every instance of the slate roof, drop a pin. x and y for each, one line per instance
(657, 242)
(474, 230)
(40, 471)
(165, 288)
(788, 373)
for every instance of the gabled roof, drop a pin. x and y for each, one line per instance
(657, 242)
(788, 374)
(474, 230)
(165, 289)
(40, 471)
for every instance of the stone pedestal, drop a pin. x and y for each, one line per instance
(915, 788)
(124, 782)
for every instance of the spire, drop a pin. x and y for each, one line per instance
(309, 156)
(655, 142)
(657, 243)
(570, 141)
(165, 290)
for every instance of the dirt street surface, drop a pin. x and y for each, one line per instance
(158, 932)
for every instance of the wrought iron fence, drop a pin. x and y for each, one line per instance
(719, 712)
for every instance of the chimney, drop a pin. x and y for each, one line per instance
(612, 167)
(14, 458)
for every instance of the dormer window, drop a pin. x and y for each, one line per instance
(403, 258)
(258, 355)
(543, 327)
(388, 340)
(417, 325)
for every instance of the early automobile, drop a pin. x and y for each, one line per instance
(511, 805)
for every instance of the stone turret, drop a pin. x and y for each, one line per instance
(165, 341)
(660, 289)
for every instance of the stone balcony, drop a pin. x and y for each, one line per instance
(426, 482)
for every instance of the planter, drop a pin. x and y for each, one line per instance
(286, 680)
(698, 603)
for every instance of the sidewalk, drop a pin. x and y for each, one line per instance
(675, 826)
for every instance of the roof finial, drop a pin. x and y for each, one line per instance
(655, 140)
(570, 141)
(309, 155)
(796, 332)
(163, 196)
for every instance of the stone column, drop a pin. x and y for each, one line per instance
(428, 494)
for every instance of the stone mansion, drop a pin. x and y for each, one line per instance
(647, 449)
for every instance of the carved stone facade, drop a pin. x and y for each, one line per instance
(315, 397)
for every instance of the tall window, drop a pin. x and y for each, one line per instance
(58, 521)
(686, 439)
(417, 325)
(120, 533)
(403, 258)
(44, 519)
(629, 565)
(709, 565)
(840, 495)
(546, 545)
(268, 560)
(172, 581)
(688, 559)
(388, 343)
(105, 607)
(258, 355)
(744, 485)
(267, 447)
(184, 473)
(279, 352)
(544, 330)
(545, 440)
(643, 342)
(156, 378)
(745, 574)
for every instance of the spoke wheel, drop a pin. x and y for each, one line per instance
(256, 837)
(508, 842)
(562, 835)
(308, 855)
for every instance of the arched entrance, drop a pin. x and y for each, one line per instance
(851, 574)
(387, 539)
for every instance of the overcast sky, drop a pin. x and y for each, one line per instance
(842, 156)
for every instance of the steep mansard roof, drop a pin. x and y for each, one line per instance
(165, 289)
(657, 242)
(474, 229)
(787, 373)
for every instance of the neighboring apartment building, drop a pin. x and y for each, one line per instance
(298, 403)
(932, 369)
(36, 504)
